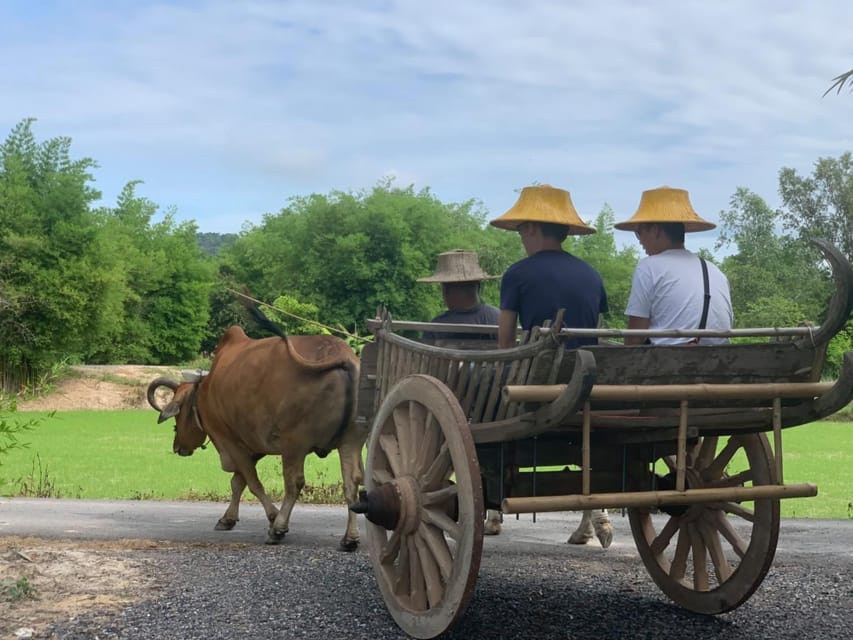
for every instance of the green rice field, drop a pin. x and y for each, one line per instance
(127, 455)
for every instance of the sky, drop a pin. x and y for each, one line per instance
(226, 110)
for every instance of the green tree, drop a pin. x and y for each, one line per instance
(821, 205)
(616, 267)
(49, 278)
(775, 280)
(347, 253)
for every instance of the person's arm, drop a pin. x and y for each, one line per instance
(507, 324)
(636, 323)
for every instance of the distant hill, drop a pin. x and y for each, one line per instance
(213, 243)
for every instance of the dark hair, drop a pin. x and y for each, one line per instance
(673, 230)
(554, 231)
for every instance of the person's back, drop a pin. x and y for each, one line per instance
(670, 292)
(459, 274)
(543, 283)
(668, 289)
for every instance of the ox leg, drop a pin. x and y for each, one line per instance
(232, 513)
(352, 474)
(493, 523)
(294, 482)
(593, 523)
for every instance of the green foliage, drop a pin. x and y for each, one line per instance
(615, 267)
(821, 205)
(13, 590)
(12, 426)
(347, 253)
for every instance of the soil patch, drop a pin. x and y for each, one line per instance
(45, 581)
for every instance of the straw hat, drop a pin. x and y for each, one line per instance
(666, 204)
(544, 203)
(458, 266)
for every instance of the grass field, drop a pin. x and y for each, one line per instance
(127, 455)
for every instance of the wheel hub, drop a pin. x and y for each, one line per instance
(394, 505)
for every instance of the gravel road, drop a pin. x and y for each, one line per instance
(531, 585)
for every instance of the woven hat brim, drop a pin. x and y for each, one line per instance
(690, 226)
(441, 278)
(512, 225)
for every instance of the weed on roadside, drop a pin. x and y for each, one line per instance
(13, 590)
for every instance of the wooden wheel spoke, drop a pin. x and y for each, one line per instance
(679, 560)
(700, 560)
(438, 518)
(707, 450)
(722, 568)
(401, 577)
(737, 510)
(391, 449)
(439, 469)
(722, 524)
(737, 480)
(417, 583)
(718, 466)
(391, 549)
(430, 569)
(438, 546)
(382, 476)
(440, 496)
(403, 428)
(661, 541)
(428, 447)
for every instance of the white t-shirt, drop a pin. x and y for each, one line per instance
(667, 289)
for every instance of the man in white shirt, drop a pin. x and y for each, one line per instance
(668, 289)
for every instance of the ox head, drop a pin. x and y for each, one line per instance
(189, 432)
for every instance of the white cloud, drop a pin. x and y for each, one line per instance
(226, 109)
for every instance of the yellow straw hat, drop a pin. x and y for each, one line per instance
(666, 204)
(544, 203)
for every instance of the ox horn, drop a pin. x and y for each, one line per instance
(155, 384)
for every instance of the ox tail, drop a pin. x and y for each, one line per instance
(262, 321)
(348, 414)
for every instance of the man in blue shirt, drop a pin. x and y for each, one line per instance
(549, 278)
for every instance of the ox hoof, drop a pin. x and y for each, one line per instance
(274, 536)
(580, 537)
(224, 524)
(491, 528)
(605, 537)
(348, 545)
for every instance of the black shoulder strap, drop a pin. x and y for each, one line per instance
(707, 294)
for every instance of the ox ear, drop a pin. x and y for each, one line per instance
(169, 411)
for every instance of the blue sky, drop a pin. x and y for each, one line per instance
(227, 109)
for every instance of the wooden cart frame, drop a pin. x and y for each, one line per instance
(671, 430)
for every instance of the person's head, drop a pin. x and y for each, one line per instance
(460, 296)
(459, 274)
(656, 237)
(543, 217)
(663, 217)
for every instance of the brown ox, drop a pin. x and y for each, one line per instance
(287, 396)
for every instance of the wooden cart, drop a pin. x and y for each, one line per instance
(693, 434)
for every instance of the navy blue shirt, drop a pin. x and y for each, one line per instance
(481, 314)
(545, 282)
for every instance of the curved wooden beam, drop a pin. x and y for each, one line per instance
(841, 304)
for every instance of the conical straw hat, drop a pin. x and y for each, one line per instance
(458, 266)
(544, 203)
(666, 204)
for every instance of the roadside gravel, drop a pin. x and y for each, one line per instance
(543, 591)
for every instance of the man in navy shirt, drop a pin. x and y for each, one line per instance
(549, 278)
(460, 275)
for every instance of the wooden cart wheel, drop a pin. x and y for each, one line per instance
(710, 558)
(423, 486)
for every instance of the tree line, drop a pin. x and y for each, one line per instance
(81, 283)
